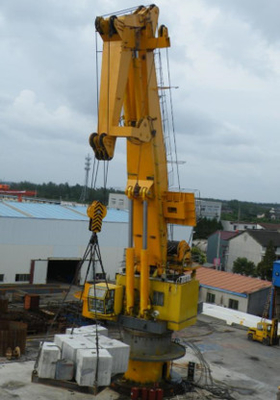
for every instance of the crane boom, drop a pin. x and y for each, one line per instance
(129, 107)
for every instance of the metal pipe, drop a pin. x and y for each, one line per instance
(145, 225)
(130, 223)
(144, 282)
(129, 280)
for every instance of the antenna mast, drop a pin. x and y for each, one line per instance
(85, 188)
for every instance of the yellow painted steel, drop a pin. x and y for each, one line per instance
(147, 372)
(144, 283)
(265, 332)
(97, 299)
(179, 208)
(179, 307)
(96, 212)
(129, 107)
(129, 85)
(129, 280)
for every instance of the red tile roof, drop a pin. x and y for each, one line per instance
(225, 235)
(229, 281)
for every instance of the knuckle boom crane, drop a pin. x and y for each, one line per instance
(157, 293)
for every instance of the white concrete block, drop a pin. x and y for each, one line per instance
(64, 370)
(59, 338)
(87, 364)
(71, 344)
(119, 351)
(50, 354)
(88, 329)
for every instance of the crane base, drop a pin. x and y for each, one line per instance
(170, 388)
(150, 356)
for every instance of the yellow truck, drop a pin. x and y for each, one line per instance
(265, 332)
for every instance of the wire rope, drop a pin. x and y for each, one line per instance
(172, 117)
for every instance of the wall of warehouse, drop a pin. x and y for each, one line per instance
(223, 298)
(26, 239)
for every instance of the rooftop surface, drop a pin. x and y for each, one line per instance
(225, 235)
(263, 237)
(230, 282)
(62, 211)
(270, 227)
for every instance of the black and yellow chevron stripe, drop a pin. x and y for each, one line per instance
(96, 212)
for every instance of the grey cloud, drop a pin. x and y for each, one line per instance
(226, 114)
(262, 15)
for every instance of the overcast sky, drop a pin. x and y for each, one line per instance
(224, 56)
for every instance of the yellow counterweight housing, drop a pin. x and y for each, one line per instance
(102, 300)
(173, 302)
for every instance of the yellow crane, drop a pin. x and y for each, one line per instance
(157, 293)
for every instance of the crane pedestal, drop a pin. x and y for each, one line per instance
(150, 356)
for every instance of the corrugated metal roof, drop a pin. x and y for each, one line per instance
(6, 211)
(55, 211)
(230, 282)
(116, 215)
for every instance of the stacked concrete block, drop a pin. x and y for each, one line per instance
(86, 367)
(88, 330)
(64, 370)
(76, 356)
(59, 338)
(50, 354)
(118, 350)
(70, 345)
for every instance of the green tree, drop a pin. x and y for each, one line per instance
(264, 268)
(205, 227)
(244, 267)
(64, 191)
(198, 255)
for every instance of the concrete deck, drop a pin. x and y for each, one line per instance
(249, 369)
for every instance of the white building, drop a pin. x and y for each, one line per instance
(41, 243)
(233, 291)
(118, 201)
(208, 209)
(233, 226)
(252, 245)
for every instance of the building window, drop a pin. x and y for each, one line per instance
(1, 277)
(158, 298)
(210, 298)
(233, 304)
(22, 278)
(113, 200)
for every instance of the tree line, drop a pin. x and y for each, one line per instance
(235, 210)
(65, 192)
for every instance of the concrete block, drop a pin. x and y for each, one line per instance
(87, 364)
(119, 351)
(50, 354)
(64, 370)
(59, 338)
(88, 329)
(71, 344)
